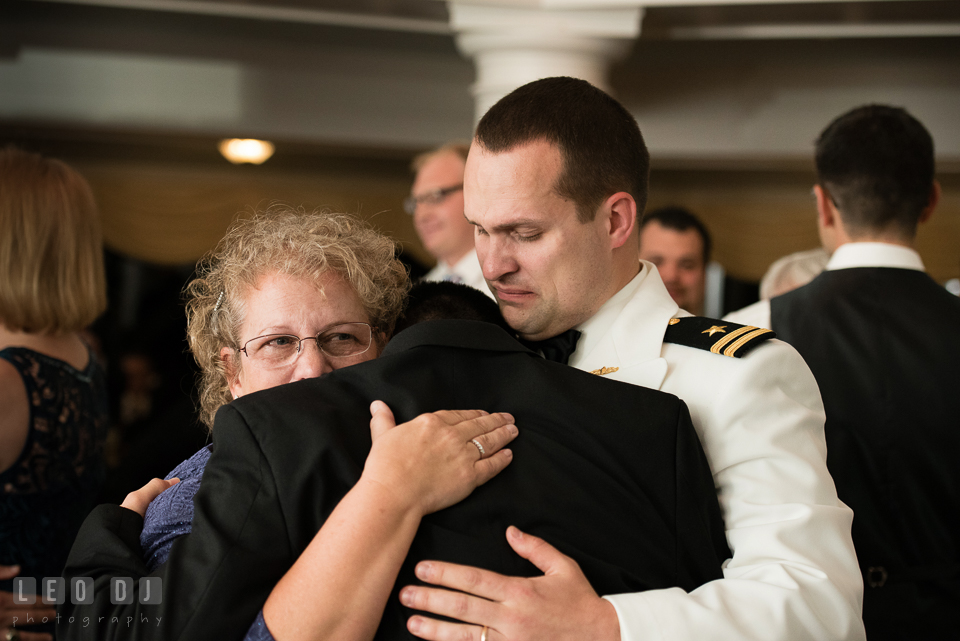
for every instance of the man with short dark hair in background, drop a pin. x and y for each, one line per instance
(436, 204)
(555, 183)
(883, 340)
(675, 240)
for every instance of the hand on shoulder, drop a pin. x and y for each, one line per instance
(138, 500)
(434, 460)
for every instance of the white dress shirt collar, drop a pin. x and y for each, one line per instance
(464, 265)
(851, 255)
(846, 256)
(469, 264)
(467, 270)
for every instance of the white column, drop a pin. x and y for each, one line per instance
(515, 43)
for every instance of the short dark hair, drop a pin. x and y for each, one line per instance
(680, 219)
(876, 162)
(430, 300)
(600, 142)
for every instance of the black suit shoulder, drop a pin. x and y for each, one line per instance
(880, 287)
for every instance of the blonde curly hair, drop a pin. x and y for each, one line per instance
(290, 241)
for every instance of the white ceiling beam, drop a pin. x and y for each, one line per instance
(813, 30)
(613, 4)
(275, 13)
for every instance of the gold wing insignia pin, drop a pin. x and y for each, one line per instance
(604, 371)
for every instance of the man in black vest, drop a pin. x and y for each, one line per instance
(883, 341)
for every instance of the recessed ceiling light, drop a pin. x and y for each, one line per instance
(249, 150)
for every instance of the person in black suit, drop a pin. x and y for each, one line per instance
(289, 295)
(883, 341)
(611, 474)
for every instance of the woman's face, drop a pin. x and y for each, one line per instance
(285, 304)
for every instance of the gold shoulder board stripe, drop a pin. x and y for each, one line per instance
(737, 339)
(743, 340)
(716, 336)
(728, 338)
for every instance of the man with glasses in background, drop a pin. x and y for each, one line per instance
(436, 204)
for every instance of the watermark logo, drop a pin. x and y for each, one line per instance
(80, 591)
(53, 591)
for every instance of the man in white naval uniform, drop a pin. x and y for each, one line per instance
(436, 204)
(554, 183)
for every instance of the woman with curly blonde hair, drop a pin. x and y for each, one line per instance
(289, 295)
(343, 260)
(280, 275)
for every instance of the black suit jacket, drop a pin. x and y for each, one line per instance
(612, 474)
(884, 346)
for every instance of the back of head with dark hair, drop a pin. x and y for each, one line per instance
(680, 219)
(602, 149)
(877, 164)
(449, 301)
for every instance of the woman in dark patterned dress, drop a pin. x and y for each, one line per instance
(53, 409)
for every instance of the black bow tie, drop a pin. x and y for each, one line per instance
(558, 348)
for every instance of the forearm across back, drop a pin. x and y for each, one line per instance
(339, 586)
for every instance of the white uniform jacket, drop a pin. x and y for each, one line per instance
(794, 572)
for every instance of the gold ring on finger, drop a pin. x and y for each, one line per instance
(483, 633)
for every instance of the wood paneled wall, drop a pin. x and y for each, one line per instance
(756, 217)
(174, 212)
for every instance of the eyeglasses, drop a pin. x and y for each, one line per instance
(434, 197)
(275, 351)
